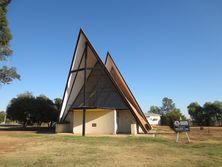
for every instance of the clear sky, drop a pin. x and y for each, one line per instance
(163, 48)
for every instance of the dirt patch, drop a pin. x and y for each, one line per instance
(11, 144)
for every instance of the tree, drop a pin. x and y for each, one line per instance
(218, 106)
(210, 112)
(28, 109)
(44, 111)
(155, 109)
(21, 108)
(208, 115)
(167, 105)
(196, 112)
(168, 111)
(2, 116)
(58, 103)
(7, 74)
(171, 117)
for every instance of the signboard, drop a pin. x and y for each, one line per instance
(181, 126)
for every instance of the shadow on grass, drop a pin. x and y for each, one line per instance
(19, 128)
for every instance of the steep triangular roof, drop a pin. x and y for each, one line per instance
(99, 78)
(118, 78)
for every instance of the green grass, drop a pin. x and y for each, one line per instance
(29, 149)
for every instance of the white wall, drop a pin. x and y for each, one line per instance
(153, 120)
(62, 128)
(65, 127)
(124, 121)
(104, 120)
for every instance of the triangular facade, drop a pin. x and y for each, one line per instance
(92, 86)
(100, 91)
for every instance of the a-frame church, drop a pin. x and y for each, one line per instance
(97, 99)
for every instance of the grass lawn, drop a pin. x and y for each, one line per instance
(31, 149)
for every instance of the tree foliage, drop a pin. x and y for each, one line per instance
(168, 111)
(208, 114)
(7, 74)
(170, 117)
(21, 108)
(155, 109)
(2, 116)
(58, 103)
(167, 105)
(196, 113)
(28, 109)
(44, 110)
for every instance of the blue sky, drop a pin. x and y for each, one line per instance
(163, 48)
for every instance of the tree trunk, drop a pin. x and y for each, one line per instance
(24, 124)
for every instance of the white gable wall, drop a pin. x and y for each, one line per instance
(77, 57)
(79, 81)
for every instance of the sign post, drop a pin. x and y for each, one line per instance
(181, 126)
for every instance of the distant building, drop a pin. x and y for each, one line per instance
(153, 118)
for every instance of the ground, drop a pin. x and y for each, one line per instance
(27, 148)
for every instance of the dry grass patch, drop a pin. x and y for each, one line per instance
(65, 150)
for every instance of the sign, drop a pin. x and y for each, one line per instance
(181, 126)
